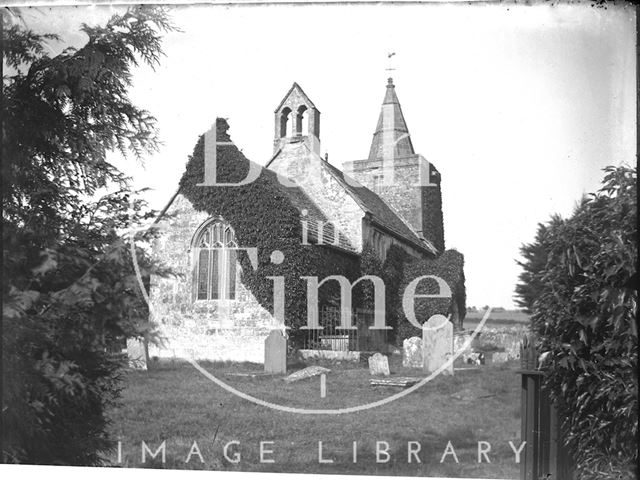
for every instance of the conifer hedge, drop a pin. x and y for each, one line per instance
(585, 319)
(70, 294)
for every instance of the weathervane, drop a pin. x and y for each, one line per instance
(389, 56)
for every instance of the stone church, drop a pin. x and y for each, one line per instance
(392, 197)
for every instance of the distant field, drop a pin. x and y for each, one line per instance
(508, 317)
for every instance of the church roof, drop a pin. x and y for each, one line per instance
(313, 215)
(308, 209)
(297, 87)
(381, 212)
(391, 128)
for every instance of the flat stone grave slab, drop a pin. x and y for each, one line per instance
(247, 374)
(403, 382)
(308, 372)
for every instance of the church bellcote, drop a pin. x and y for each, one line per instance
(297, 120)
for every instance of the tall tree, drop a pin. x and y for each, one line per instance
(70, 293)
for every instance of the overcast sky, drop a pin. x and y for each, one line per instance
(519, 107)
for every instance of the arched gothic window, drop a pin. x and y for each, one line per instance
(215, 261)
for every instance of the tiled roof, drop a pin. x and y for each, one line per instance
(396, 126)
(382, 213)
(310, 212)
(295, 86)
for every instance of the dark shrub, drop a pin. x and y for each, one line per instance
(585, 317)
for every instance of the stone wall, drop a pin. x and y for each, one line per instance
(382, 241)
(420, 206)
(402, 195)
(208, 330)
(506, 338)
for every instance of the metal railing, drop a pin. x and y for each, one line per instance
(332, 337)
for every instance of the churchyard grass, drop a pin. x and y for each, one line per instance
(177, 404)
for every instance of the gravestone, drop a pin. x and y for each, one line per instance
(437, 344)
(500, 357)
(308, 372)
(137, 353)
(275, 353)
(379, 364)
(472, 358)
(412, 352)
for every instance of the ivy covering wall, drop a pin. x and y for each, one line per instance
(432, 222)
(449, 266)
(263, 215)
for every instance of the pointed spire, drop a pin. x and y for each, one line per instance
(390, 96)
(392, 134)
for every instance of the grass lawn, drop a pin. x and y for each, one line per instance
(177, 404)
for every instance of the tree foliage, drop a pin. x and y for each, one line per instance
(535, 259)
(392, 274)
(584, 314)
(70, 293)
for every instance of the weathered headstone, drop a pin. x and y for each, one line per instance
(472, 358)
(500, 357)
(378, 364)
(437, 344)
(487, 358)
(275, 353)
(137, 353)
(308, 372)
(412, 352)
